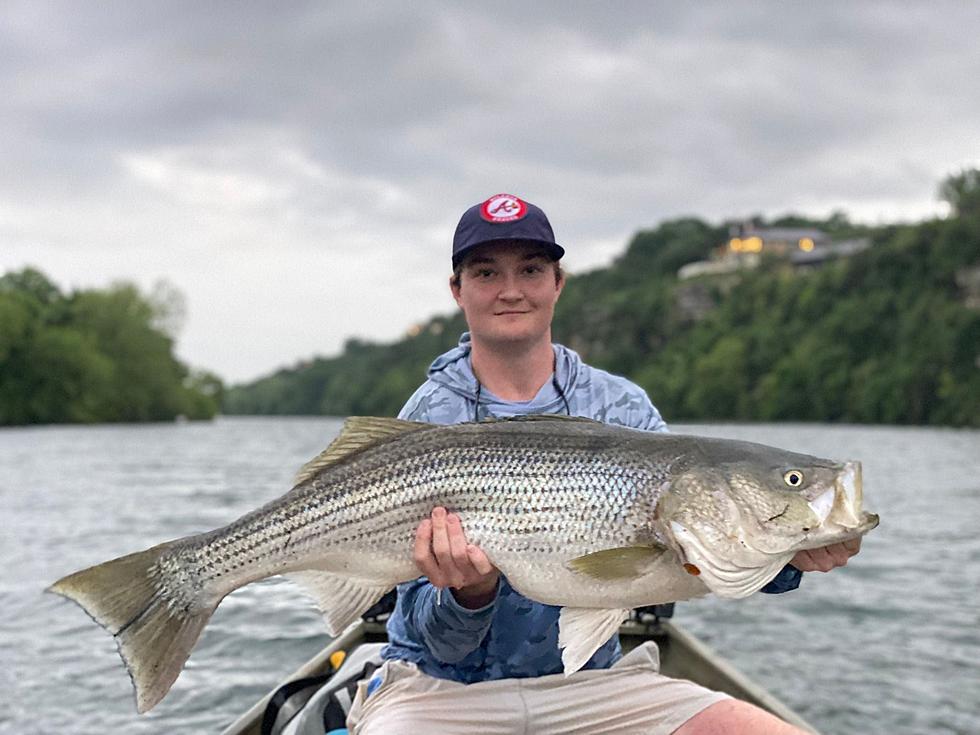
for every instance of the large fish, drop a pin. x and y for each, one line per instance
(594, 518)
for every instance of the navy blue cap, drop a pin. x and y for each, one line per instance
(503, 218)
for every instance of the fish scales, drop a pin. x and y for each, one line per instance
(577, 492)
(575, 496)
(587, 516)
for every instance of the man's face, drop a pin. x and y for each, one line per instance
(508, 292)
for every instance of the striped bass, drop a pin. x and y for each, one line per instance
(591, 517)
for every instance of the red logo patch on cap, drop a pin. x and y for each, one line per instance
(503, 208)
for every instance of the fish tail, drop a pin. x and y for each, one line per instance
(154, 630)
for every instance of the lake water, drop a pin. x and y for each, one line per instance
(890, 644)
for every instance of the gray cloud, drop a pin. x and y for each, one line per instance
(297, 169)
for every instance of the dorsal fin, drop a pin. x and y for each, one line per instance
(359, 433)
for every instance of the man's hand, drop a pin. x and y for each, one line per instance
(826, 558)
(444, 556)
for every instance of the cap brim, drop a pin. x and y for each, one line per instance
(555, 250)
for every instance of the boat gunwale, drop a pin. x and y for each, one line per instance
(676, 645)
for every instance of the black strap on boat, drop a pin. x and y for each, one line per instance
(290, 699)
(335, 713)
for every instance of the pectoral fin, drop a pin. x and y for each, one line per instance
(618, 563)
(581, 630)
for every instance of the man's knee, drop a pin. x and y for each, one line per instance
(735, 717)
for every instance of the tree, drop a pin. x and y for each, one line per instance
(32, 283)
(671, 245)
(721, 382)
(147, 378)
(93, 355)
(962, 192)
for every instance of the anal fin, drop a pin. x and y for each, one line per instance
(582, 630)
(342, 600)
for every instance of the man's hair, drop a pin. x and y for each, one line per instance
(457, 278)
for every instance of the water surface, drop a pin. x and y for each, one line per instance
(890, 644)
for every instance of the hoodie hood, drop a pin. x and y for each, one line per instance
(452, 370)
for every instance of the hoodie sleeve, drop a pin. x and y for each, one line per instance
(449, 630)
(648, 417)
(786, 581)
(616, 400)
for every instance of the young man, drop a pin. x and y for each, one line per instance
(467, 653)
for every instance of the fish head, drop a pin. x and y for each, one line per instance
(739, 511)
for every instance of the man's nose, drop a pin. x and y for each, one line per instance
(511, 289)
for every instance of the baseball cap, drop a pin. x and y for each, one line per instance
(503, 218)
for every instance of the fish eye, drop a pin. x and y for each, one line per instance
(793, 478)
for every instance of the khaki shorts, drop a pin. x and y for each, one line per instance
(630, 697)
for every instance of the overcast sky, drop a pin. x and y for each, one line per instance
(297, 169)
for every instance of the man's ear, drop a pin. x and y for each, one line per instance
(454, 286)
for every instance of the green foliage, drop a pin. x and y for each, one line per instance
(90, 356)
(202, 394)
(668, 247)
(962, 191)
(366, 379)
(885, 336)
(889, 335)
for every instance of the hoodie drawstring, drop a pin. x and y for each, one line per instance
(554, 382)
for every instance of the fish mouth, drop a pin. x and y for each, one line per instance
(839, 509)
(841, 503)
